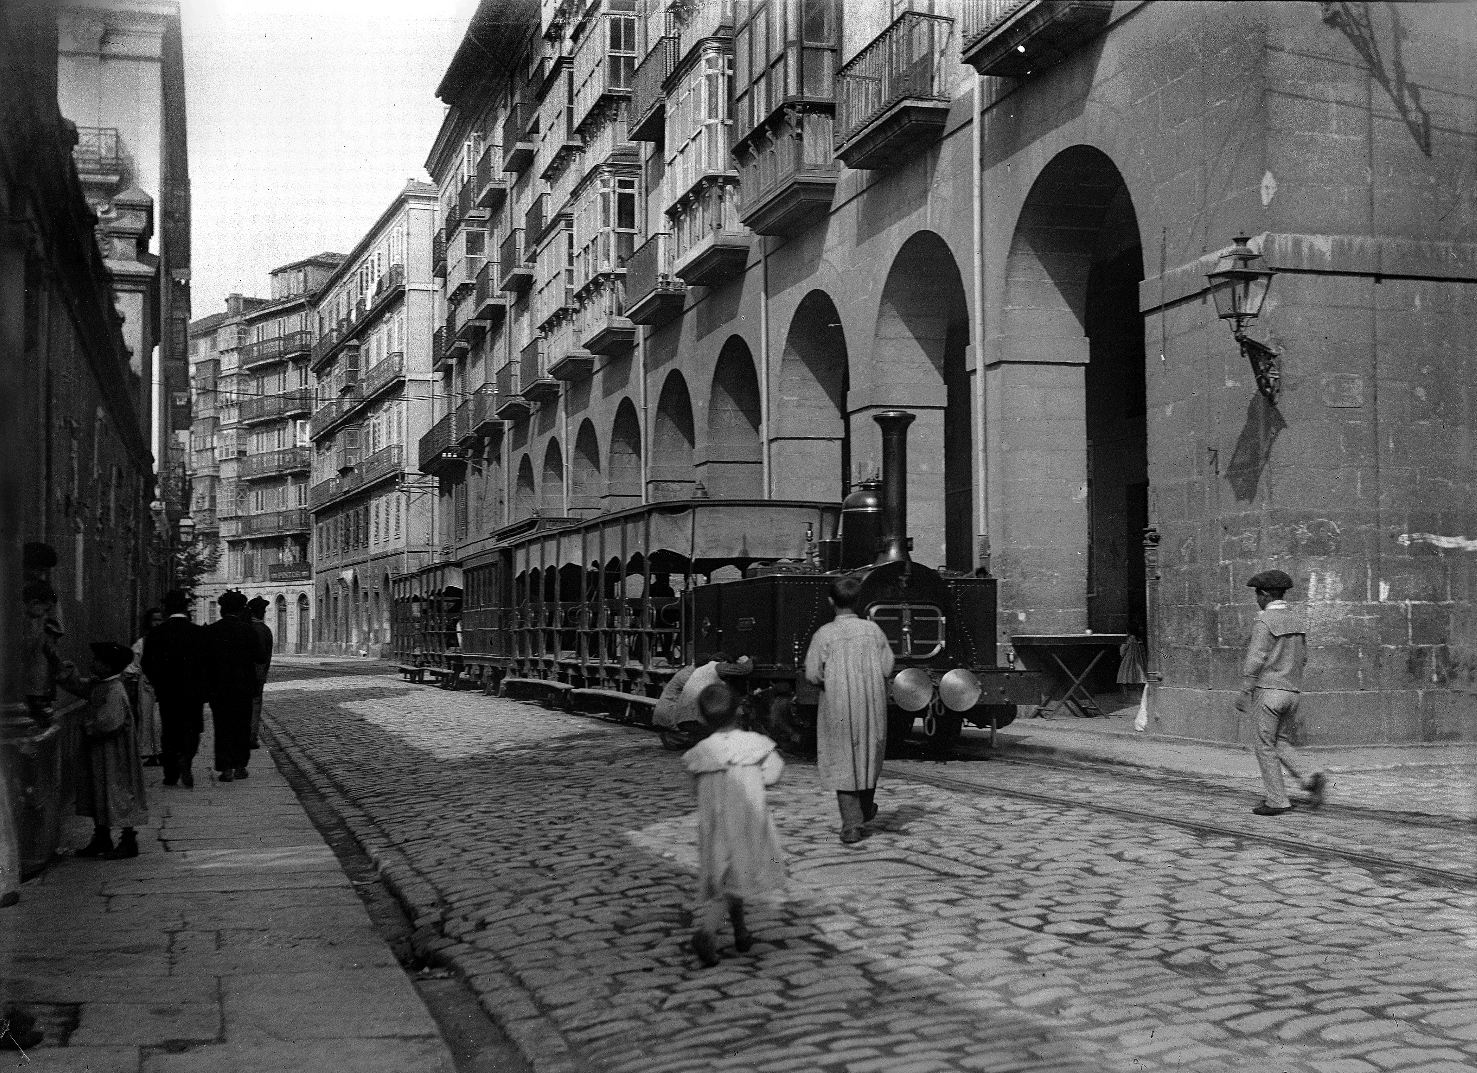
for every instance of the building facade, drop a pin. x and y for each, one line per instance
(120, 79)
(250, 452)
(727, 234)
(371, 512)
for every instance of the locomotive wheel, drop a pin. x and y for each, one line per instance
(941, 730)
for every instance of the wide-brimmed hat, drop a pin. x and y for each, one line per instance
(1270, 581)
(112, 655)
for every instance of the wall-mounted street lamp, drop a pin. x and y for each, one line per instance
(185, 527)
(1239, 287)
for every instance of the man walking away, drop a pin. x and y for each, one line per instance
(174, 661)
(258, 621)
(1271, 685)
(850, 659)
(232, 655)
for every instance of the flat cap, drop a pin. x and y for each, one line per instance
(1270, 580)
(258, 604)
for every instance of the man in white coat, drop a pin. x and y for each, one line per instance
(850, 659)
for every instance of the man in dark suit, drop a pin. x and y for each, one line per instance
(232, 653)
(258, 609)
(174, 662)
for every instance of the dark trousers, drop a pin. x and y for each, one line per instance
(856, 806)
(231, 717)
(180, 723)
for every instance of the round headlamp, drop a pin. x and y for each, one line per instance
(960, 690)
(912, 689)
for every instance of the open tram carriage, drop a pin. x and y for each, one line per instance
(598, 613)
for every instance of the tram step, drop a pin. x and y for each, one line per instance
(629, 706)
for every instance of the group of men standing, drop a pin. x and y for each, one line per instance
(224, 664)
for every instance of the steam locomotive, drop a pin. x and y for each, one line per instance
(599, 613)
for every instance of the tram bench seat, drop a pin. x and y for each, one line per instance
(549, 693)
(628, 707)
(411, 673)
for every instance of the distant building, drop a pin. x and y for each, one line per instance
(120, 79)
(250, 452)
(371, 514)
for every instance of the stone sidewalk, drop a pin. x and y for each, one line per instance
(234, 941)
(1435, 780)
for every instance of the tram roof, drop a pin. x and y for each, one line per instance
(716, 529)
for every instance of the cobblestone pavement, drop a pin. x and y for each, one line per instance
(550, 859)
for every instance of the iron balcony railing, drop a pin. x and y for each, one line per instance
(513, 272)
(272, 463)
(441, 436)
(533, 224)
(648, 102)
(438, 253)
(978, 16)
(484, 409)
(325, 417)
(517, 149)
(491, 186)
(439, 340)
(273, 522)
(453, 218)
(383, 462)
(489, 290)
(908, 60)
(507, 380)
(296, 401)
(392, 280)
(275, 349)
(533, 366)
(464, 421)
(98, 151)
(388, 368)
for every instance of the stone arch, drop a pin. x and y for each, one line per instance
(1071, 341)
(732, 462)
(279, 624)
(623, 471)
(304, 623)
(525, 493)
(586, 484)
(673, 473)
(918, 364)
(810, 446)
(551, 481)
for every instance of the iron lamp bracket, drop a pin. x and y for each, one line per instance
(1266, 364)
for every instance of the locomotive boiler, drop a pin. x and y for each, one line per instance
(941, 625)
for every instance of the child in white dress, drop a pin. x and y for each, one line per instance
(738, 848)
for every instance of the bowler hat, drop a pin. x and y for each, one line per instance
(112, 655)
(257, 605)
(232, 600)
(1270, 581)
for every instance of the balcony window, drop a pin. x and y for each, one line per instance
(604, 226)
(556, 136)
(698, 122)
(784, 50)
(696, 21)
(605, 58)
(554, 273)
(647, 97)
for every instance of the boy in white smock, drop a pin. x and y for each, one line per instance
(738, 848)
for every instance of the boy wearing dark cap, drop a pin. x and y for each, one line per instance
(1272, 682)
(110, 779)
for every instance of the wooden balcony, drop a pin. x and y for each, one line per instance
(601, 321)
(787, 171)
(518, 147)
(654, 295)
(648, 100)
(1020, 38)
(719, 257)
(535, 382)
(510, 405)
(514, 274)
(892, 99)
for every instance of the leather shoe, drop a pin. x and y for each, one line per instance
(188, 778)
(851, 835)
(225, 776)
(240, 773)
(170, 780)
(1317, 786)
(1265, 809)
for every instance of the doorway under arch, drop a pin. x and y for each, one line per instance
(623, 486)
(551, 483)
(1072, 342)
(811, 446)
(672, 473)
(279, 635)
(304, 623)
(585, 484)
(919, 365)
(524, 492)
(732, 465)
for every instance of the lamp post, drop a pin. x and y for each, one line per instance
(1239, 286)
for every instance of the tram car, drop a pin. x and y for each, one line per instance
(599, 613)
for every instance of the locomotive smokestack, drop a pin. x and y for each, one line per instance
(894, 425)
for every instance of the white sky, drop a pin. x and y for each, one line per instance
(305, 118)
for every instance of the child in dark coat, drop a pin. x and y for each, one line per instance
(110, 778)
(738, 848)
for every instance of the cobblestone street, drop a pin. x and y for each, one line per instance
(1000, 917)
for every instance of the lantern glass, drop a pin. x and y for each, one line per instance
(1239, 288)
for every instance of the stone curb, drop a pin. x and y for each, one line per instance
(495, 985)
